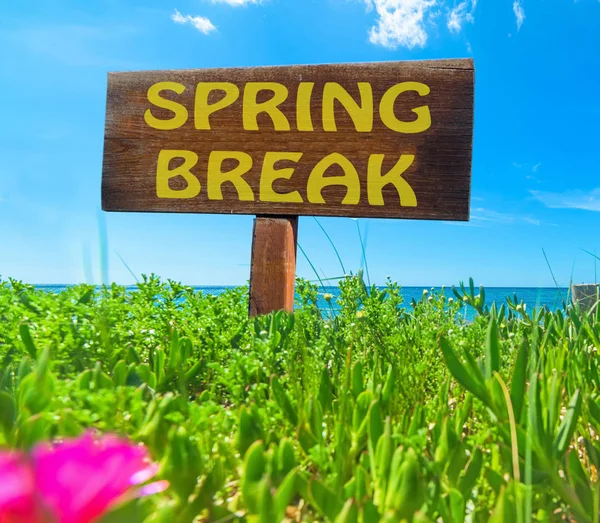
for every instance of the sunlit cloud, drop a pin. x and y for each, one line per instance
(400, 22)
(519, 13)
(459, 14)
(201, 23)
(576, 199)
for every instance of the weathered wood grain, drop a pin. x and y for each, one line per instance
(440, 174)
(587, 295)
(273, 267)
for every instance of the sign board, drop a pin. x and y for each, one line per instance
(382, 140)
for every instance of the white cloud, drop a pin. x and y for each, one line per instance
(483, 215)
(203, 24)
(461, 13)
(532, 221)
(456, 17)
(237, 3)
(587, 201)
(519, 13)
(178, 18)
(400, 22)
(406, 23)
(536, 167)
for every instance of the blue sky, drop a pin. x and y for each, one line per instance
(536, 177)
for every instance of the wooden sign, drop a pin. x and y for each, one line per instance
(383, 140)
(386, 140)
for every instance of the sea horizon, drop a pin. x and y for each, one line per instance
(233, 285)
(552, 297)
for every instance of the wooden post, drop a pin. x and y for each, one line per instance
(586, 295)
(273, 264)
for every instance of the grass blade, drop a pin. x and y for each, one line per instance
(519, 380)
(460, 373)
(492, 349)
(332, 244)
(567, 427)
(364, 253)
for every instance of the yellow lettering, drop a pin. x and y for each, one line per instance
(216, 176)
(181, 114)
(362, 115)
(376, 182)
(303, 117)
(252, 108)
(164, 174)
(388, 114)
(317, 182)
(203, 109)
(269, 174)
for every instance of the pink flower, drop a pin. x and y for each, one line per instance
(17, 486)
(76, 481)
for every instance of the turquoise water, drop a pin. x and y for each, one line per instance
(551, 297)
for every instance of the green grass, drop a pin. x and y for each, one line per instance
(381, 413)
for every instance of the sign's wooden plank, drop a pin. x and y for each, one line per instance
(328, 143)
(273, 266)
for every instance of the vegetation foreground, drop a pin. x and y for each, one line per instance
(379, 413)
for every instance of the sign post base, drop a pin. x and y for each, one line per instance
(273, 264)
(586, 295)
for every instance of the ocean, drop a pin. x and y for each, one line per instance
(551, 297)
